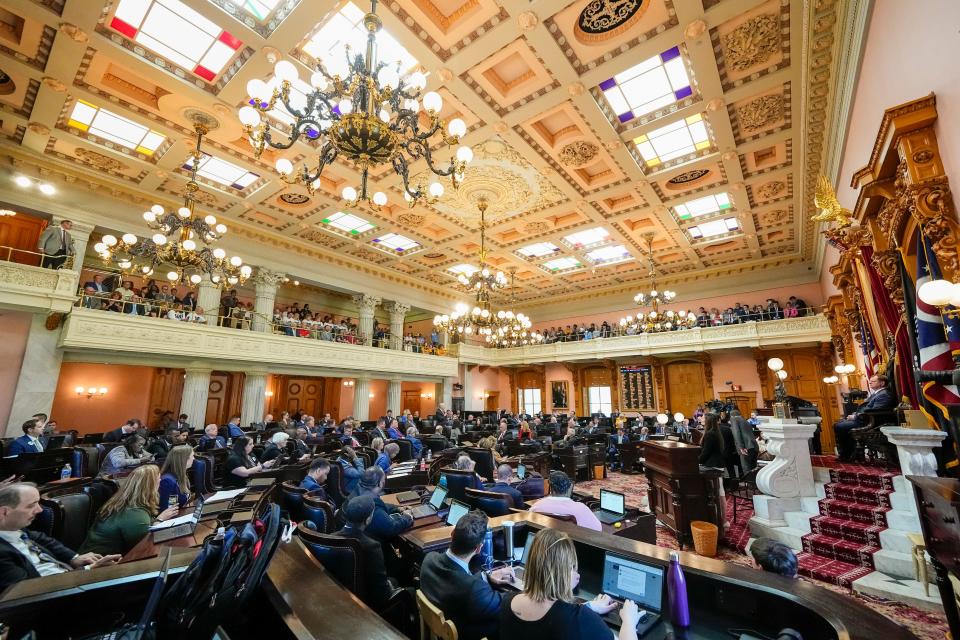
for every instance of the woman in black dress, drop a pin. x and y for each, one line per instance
(546, 610)
(711, 447)
(241, 465)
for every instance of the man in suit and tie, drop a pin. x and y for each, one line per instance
(316, 477)
(744, 440)
(618, 438)
(502, 485)
(99, 288)
(56, 244)
(122, 431)
(232, 428)
(29, 442)
(210, 439)
(380, 431)
(880, 400)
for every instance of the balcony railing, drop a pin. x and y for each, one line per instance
(808, 329)
(33, 288)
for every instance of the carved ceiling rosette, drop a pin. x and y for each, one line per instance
(601, 20)
(578, 153)
(760, 113)
(753, 42)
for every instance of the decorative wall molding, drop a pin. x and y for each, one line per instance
(37, 289)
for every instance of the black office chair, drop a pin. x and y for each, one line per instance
(201, 475)
(491, 503)
(334, 484)
(318, 511)
(71, 518)
(100, 490)
(486, 467)
(291, 499)
(434, 444)
(406, 450)
(341, 557)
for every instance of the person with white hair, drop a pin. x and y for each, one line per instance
(277, 446)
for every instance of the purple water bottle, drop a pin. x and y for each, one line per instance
(677, 593)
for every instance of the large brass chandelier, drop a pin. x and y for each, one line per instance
(483, 279)
(508, 336)
(181, 248)
(372, 117)
(655, 320)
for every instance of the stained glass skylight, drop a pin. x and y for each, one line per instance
(465, 269)
(259, 9)
(538, 250)
(562, 264)
(702, 206)
(108, 125)
(650, 85)
(395, 242)
(588, 238)
(223, 172)
(673, 140)
(713, 228)
(328, 44)
(607, 255)
(178, 33)
(348, 223)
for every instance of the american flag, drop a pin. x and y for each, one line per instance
(871, 357)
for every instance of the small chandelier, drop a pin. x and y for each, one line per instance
(372, 117)
(174, 248)
(655, 321)
(509, 337)
(483, 278)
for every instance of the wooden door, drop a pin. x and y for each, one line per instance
(746, 401)
(166, 390)
(20, 232)
(686, 387)
(224, 396)
(410, 400)
(492, 401)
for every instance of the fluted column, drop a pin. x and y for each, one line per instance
(39, 374)
(366, 306)
(469, 393)
(448, 393)
(193, 402)
(393, 395)
(254, 398)
(208, 299)
(398, 312)
(265, 295)
(361, 399)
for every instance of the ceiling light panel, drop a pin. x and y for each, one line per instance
(538, 250)
(348, 223)
(259, 9)
(561, 265)
(703, 206)
(587, 239)
(222, 172)
(713, 228)
(178, 33)
(109, 126)
(675, 140)
(650, 85)
(396, 243)
(609, 255)
(464, 269)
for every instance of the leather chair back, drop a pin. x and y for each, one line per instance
(92, 459)
(532, 487)
(71, 518)
(484, 459)
(100, 490)
(318, 511)
(43, 521)
(406, 450)
(201, 474)
(436, 445)
(334, 484)
(491, 503)
(457, 483)
(341, 557)
(291, 499)
(369, 455)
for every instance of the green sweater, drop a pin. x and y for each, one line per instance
(119, 533)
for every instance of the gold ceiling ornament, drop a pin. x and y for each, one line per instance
(411, 219)
(771, 189)
(655, 321)
(761, 112)
(372, 117)
(99, 161)
(578, 153)
(536, 227)
(602, 20)
(825, 199)
(753, 42)
(527, 21)
(176, 247)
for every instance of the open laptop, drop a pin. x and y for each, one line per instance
(408, 496)
(432, 507)
(612, 507)
(519, 570)
(625, 579)
(521, 471)
(457, 511)
(139, 630)
(180, 530)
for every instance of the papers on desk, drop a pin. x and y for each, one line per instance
(166, 524)
(224, 495)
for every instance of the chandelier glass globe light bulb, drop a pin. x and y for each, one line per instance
(782, 374)
(221, 228)
(219, 253)
(189, 245)
(172, 275)
(183, 212)
(936, 292)
(248, 115)
(236, 261)
(210, 220)
(380, 198)
(285, 71)
(258, 89)
(457, 127)
(436, 189)
(284, 167)
(195, 279)
(149, 216)
(775, 364)
(662, 418)
(349, 193)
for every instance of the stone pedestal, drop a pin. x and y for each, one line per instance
(193, 402)
(789, 476)
(208, 299)
(398, 313)
(266, 283)
(254, 398)
(361, 399)
(39, 373)
(366, 306)
(915, 449)
(393, 395)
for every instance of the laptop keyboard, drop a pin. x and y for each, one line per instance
(422, 511)
(606, 517)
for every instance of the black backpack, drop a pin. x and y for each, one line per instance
(221, 579)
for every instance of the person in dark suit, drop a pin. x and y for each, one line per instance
(210, 439)
(316, 476)
(620, 437)
(29, 442)
(388, 521)
(347, 438)
(468, 599)
(711, 447)
(502, 485)
(731, 460)
(358, 514)
(161, 446)
(122, 431)
(30, 554)
(745, 441)
(232, 427)
(97, 284)
(380, 431)
(880, 400)
(182, 423)
(503, 434)
(300, 447)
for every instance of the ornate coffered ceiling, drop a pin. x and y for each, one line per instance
(715, 156)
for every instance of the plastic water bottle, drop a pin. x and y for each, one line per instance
(488, 548)
(423, 464)
(677, 593)
(229, 442)
(66, 472)
(429, 455)
(443, 480)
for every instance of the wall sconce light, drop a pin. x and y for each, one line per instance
(426, 395)
(26, 182)
(371, 394)
(348, 383)
(483, 396)
(831, 380)
(91, 392)
(268, 393)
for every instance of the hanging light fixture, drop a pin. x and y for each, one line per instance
(483, 279)
(373, 116)
(655, 320)
(181, 250)
(507, 336)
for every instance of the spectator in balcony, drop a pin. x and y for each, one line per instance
(773, 311)
(789, 311)
(228, 303)
(189, 300)
(56, 244)
(114, 303)
(197, 316)
(800, 305)
(99, 287)
(176, 313)
(729, 317)
(703, 318)
(90, 298)
(756, 314)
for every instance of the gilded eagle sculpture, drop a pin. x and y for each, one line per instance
(829, 207)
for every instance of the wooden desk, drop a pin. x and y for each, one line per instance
(722, 595)
(630, 453)
(147, 549)
(419, 523)
(938, 503)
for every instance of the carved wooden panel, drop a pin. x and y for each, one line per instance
(20, 232)
(166, 390)
(224, 396)
(686, 387)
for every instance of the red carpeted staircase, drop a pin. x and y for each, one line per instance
(846, 534)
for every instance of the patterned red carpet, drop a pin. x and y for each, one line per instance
(925, 625)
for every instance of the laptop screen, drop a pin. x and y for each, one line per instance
(457, 511)
(611, 501)
(521, 471)
(639, 582)
(526, 548)
(436, 500)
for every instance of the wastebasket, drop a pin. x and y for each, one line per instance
(598, 470)
(704, 537)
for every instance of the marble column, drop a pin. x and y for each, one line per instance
(361, 398)
(469, 393)
(448, 393)
(80, 233)
(208, 299)
(253, 406)
(398, 312)
(393, 395)
(265, 295)
(39, 373)
(915, 449)
(193, 402)
(366, 306)
(789, 477)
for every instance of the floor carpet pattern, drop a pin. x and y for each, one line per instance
(923, 624)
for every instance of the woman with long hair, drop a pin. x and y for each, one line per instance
(546, 610)
(526, 433)
(174, 483)
(125, 518)
(129, 454)
(711, 452)
(241, 464)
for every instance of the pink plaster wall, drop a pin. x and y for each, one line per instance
(14, 327)
(128, 396)
(737, 366)
(830, 257)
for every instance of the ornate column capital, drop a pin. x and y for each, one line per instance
(397, 309)
(266, 278)
(366, 303)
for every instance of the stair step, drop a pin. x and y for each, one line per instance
(849, 530)
(909, 592)
(864, 476)
(847, 510)
(898, 564)
(894, 540)
(903, 500)
(798, 520)
(821, 475)
(859, 494)
(833, 571)
(811, 504)
(903, 520)
(789, 536)
(839, 549)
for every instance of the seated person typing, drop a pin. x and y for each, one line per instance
(358, 513)
(31, 554)
(316, 476)
(126, 517)
(502, 485)
(385, 459)
(560, 502)
(546, 610)
(466, 598)
(388, 521)
(241, 464)
(210, 439)
(174, 483)
(127, 455)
